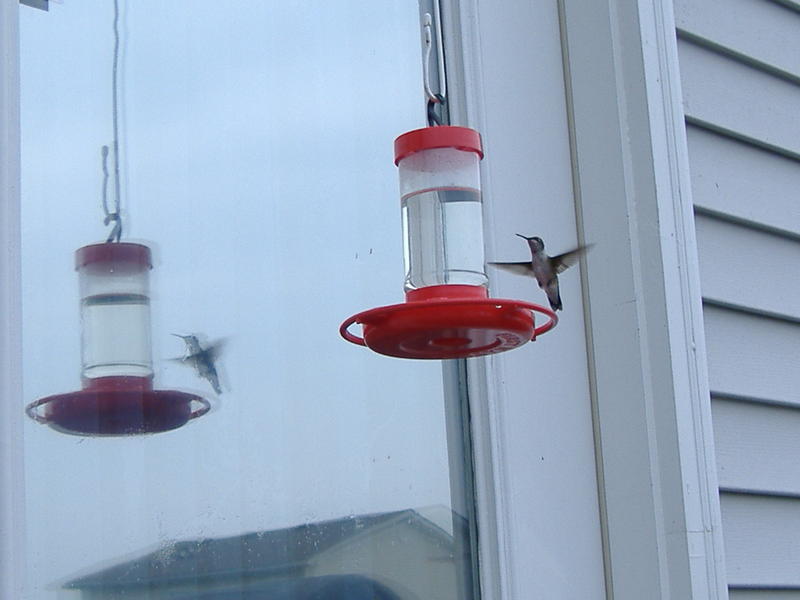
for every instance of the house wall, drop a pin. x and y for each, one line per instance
(740, 71)
(412, 563)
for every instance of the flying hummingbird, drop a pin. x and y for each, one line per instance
(202, 359)
(544, 268)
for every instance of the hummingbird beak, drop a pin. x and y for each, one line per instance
(523, 237)
(183, 337)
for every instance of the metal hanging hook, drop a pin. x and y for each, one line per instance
(433, 98)
(427, 26)
(116, 231)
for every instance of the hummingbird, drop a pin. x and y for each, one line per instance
(202, 359)
(543, 268)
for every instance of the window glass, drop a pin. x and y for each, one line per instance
(255, 161)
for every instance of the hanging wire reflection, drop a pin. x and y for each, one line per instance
(113, 216)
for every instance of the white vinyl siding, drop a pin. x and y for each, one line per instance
(740, 71)
(757, 447)
(765, 595)
(740, 100)
(767, 526)
(756, 30)
(752, 357)
(748, 268)
(725, 186)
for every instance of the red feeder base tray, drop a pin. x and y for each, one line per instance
(117, 406)
(448, 323)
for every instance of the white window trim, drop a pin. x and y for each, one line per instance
(656, 468)
(12, 486)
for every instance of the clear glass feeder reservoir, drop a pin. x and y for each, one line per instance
(447, 312)
(115, 310)
(440, 196)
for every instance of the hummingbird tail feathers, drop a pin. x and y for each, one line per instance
(553, 294)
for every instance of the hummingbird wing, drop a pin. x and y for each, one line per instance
(215, 349)
(518, 268)
(562, 262)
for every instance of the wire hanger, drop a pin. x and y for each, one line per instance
(113, 216)
(440, 97)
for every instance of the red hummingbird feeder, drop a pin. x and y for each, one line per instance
(447, 312)
(117, 397)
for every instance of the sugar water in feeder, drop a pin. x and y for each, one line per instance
(440, 199)
(115, 310)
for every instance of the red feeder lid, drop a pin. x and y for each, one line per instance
(444, 136)
(114, 253)
(430, 325)
(117, 406)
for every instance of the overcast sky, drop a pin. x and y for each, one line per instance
(257, 163)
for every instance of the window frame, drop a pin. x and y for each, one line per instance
(648, 204)
(12, 504)
(671, 429)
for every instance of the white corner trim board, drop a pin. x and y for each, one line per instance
(653, 422)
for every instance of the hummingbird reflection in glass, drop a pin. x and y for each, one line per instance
(202, 359)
